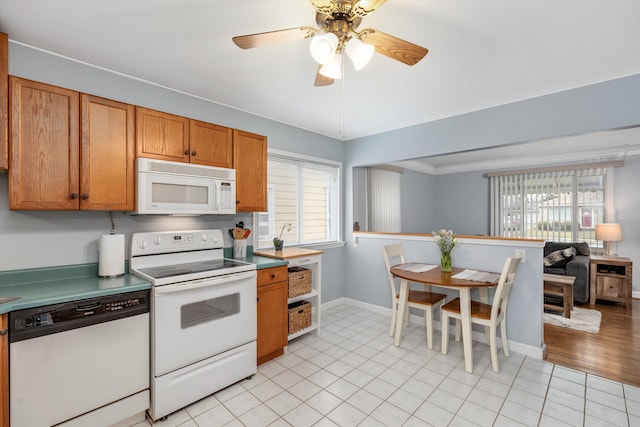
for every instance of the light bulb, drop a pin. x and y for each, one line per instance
(360, 53)
(323, 47)
(333, 70)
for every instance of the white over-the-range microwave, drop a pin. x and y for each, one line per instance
(175, 188)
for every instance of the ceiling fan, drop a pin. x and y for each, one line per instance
(338, 21)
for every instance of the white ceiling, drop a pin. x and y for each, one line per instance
(483, 53)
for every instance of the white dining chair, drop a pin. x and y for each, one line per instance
(488, 315)
(423, 300)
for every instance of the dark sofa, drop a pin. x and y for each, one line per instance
(578, 266)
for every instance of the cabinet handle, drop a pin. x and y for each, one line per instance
(193, 153)
(273, 276)
(74, 196)
(237, 202)
(186, 152)
(85, 196)
(4, 332)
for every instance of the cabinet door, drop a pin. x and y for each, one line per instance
(107, 155)
(211, 145)
(4, 101)
(4, 370)
(44, 147)
(161, 136)
(250, 163)
(272, 320)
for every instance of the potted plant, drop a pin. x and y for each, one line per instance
(278, 243)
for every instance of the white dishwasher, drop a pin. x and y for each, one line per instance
(80, 363)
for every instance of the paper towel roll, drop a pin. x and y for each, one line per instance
(111, 255)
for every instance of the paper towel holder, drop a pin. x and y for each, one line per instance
(111, 255)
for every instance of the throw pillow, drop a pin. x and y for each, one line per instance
(560, 258)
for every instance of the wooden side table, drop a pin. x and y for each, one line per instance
(611, 279)
(557, 285)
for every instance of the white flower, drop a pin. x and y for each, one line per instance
(445, 239)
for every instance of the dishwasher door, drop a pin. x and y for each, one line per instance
(71, 372)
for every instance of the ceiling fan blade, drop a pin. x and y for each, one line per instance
(255, 40)
(365, 7)
(322, 80)
(325, 7)
(394, 47)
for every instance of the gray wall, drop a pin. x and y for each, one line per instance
(463, 203)
(419, 202)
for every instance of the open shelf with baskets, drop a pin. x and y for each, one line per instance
(305, 288)
(304, 294)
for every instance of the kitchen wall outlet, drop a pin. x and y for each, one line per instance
(520, 253)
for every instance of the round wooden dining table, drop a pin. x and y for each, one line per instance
(437, 277)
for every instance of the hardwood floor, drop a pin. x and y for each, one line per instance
(613, 353)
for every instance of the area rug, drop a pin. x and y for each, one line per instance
(582, 319)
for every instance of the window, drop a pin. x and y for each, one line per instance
(304, 192)
(556, 205)
(384, 200)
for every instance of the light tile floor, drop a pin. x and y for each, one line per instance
(354, 376)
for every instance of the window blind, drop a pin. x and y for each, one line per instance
(557, 205)
(384, 200)
(304, 194)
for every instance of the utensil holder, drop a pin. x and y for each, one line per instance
(240, 248)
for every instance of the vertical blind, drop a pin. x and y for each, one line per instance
(384, 200)
(301, 193)
(557, 205)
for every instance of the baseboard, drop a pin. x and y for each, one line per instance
(527, 350)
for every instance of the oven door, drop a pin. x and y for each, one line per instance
(199, 319)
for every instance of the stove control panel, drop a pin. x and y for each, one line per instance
(175, 241)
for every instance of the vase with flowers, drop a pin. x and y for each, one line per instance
(446, 241)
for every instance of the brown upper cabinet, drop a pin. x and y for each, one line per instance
(107, 176)
(250, 163)
(51, 168)
(4, 101)
(161, 135)
(211, 145)
(166, 136)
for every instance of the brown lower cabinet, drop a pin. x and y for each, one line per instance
(273, 326)
(4, 370)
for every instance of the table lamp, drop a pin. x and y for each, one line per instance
(609, 232)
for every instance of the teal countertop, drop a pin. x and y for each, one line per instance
(51, 285)
(43, 286)
(260, 261)
(263, 262)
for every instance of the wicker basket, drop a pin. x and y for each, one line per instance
(299, 281)
(299, 316)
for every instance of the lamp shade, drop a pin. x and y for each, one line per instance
(323, 47)
(359, 53)
(608, 232)
(333, 70)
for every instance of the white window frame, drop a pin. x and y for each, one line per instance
(337, 209)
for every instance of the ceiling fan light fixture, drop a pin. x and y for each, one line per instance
(323, 47)
(360, 53)
(333, 69)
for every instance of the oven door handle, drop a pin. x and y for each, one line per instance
(204, 283)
